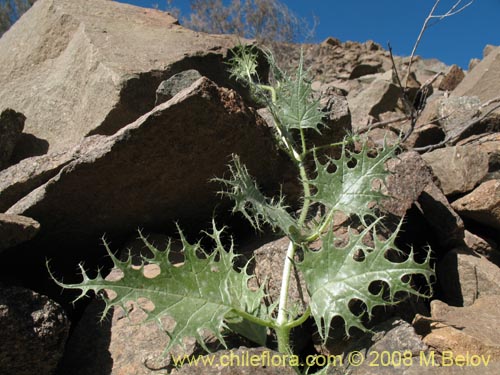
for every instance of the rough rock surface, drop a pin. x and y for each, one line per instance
(484, 80)
(11, 127)
(459, 169)
(470, 329)
(33, 332)
(156, 170)
(412, 182)
(465, 276)
(452, 78)
(381, 96)
(175, 84)
(15, 229)
(94, 75)
(482, 204)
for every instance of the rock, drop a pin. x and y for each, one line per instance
(392, 336)
(33, 330)
(381, 96)
(488, 49)
(11, 127)
(150, 174)
(237, 362)
(459, 169)
(119, 344)
(16, 229)
(412, 182)
(94, 75)
(455, 112)
(482, 204)
(484, 80)
(465, 276)
(170, 87)
(462, 330)
(473, 63)
(363, 69)
(482, 246)
(27, 175)
(452, 78)
(425, 135)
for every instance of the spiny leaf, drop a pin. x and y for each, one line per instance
(347, 184)
(198, 294)
(336, 276)
(294, 106)
(256, 208)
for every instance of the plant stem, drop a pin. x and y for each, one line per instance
(282, 318)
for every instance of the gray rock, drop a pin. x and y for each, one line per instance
(455, 112)
(15, 229)
(482, 204)
(11, 127)
(465, 276)
(94, 75)
(170, 87)
(459, 169)
(33, 332)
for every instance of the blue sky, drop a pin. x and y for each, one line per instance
(454, 40)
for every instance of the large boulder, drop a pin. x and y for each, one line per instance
(75, 68)
(151, 174)
(484, 80)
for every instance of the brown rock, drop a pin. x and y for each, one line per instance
(455, 112)
(459, 330)
(94, 75)
(459, 169)
(452, 78)
(15, 229)
(473, 63)
(484, 80)
(159, 180)
(412, 182)
(482, 246)
(381, 96)
(11, 127)
(465, 276)
(365, 68)
(482, 204)
(25, 176)
(33, 332)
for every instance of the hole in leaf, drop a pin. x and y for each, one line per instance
(357, 307)
(378, 286)
(145, 304)
(111, 294)
(395, 256)
(359, 255)
(151, 271)
(115, 275)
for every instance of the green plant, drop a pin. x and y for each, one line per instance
(208, 292)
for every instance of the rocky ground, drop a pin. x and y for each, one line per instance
(115, 122)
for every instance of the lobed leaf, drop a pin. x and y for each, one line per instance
(335, 277)
(348, 184)
(198, 294)
(294, 106)
(254, 206)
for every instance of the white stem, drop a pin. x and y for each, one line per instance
(285, 281)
